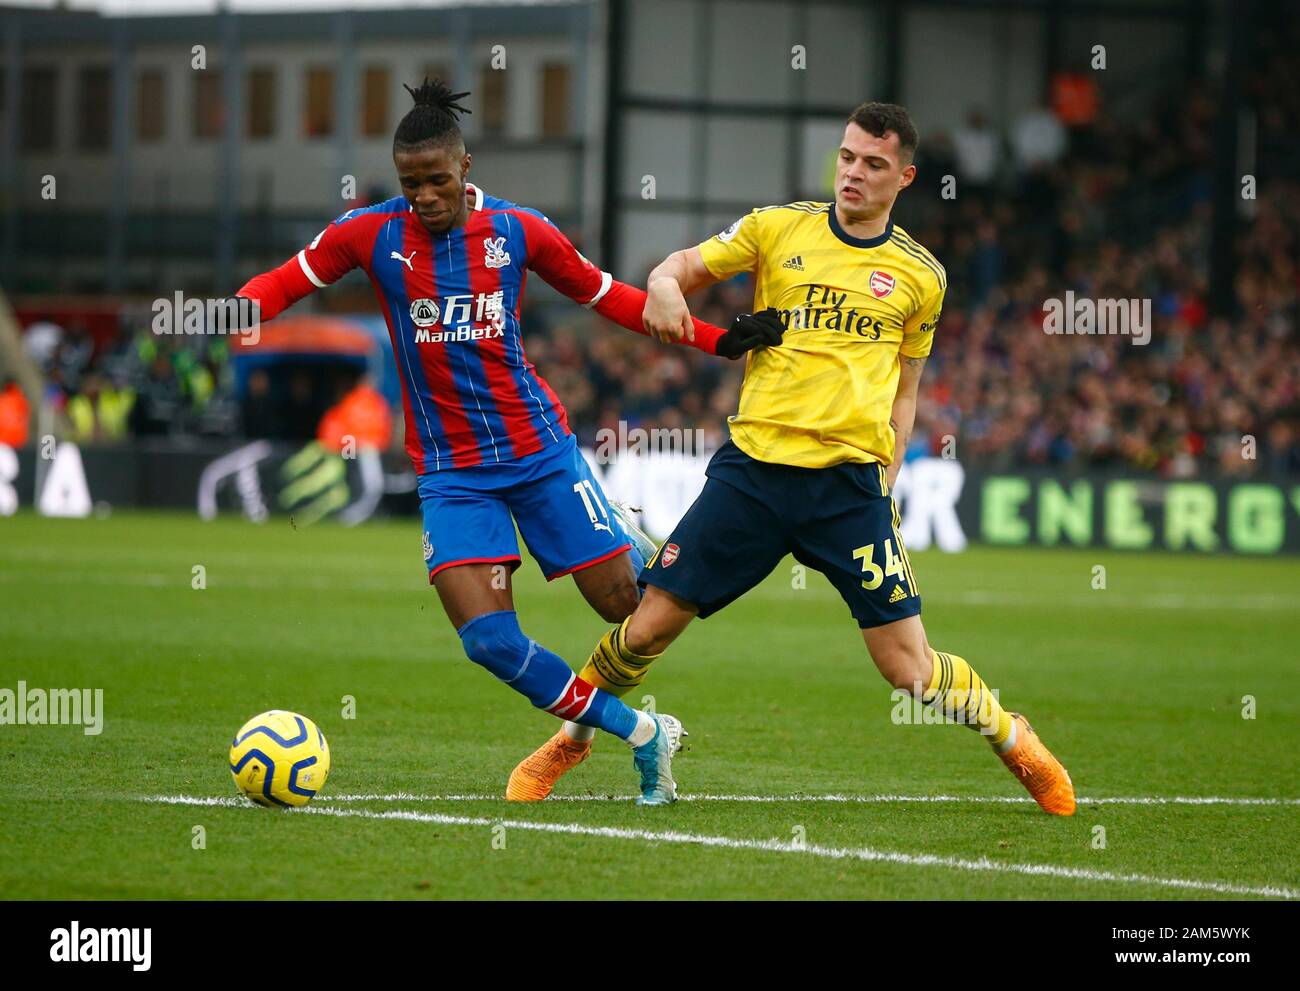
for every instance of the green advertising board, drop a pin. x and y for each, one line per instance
(1254, 517)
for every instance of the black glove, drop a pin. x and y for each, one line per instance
(751, 330)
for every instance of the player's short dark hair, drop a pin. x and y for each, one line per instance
(878, 118)
(433, 121)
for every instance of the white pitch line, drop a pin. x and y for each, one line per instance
(866, 854)
(403, 796)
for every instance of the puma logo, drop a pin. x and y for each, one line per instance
(572, 705)
(403, 258)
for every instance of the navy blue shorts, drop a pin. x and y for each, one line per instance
(470, 514)
(839, 520)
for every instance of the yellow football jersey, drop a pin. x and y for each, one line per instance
(854, 306)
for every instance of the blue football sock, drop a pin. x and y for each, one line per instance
(495, 641)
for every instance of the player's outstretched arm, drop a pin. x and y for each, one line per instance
(666, 316)
(625, 304)
(277, 290)
(555, 259)
(331, 255)
(747, 331)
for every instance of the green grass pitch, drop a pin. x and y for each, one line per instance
(1138, 688)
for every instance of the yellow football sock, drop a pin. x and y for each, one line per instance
(961, 695)
(612, 667)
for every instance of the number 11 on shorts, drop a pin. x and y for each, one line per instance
(591, 502)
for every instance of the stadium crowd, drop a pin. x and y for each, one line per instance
(1109, 212)
(1105, 209)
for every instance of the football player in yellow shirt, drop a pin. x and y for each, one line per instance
(815, 448)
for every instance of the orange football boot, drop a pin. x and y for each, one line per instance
(535, 776)
(1041, 773)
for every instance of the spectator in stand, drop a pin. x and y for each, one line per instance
(100, 412)
(1075, 97)
(978, 147)
(15, 414)
(360, 420)
(1038, 139)
(74, 355)
(41, 339)
(159, 402)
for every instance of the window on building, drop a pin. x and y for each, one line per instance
(150, 108)
(261, 102)
(555, 99)
(94, 107)
(319, 121)
(492, 87)
(375, 82)
(209, 111)
(38, 114)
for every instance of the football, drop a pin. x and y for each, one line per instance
(280, 759)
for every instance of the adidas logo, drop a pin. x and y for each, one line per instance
(795, 263)
(897, 595)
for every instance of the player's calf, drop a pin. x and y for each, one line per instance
(610, 588)
(624, 654)
(905, 668)
(613, 668)
(658, 621)
(957, 690)
(947, 682)
(495, 642)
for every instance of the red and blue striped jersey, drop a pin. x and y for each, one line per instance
(452, 303)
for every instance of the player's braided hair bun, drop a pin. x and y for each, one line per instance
(436, 93)
(433, 119)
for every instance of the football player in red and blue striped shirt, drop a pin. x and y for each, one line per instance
(489, 439)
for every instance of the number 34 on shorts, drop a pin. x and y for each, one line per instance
(883, 561)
